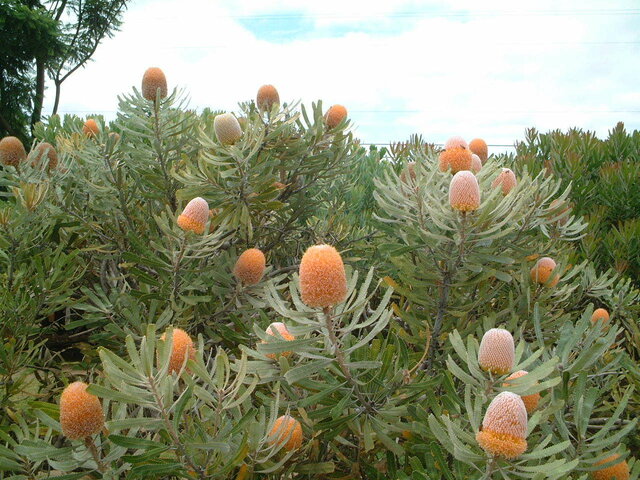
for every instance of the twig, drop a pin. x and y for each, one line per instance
(89, 443)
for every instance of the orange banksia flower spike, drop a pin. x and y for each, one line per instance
(287, 432)
(455, 142)
(323, 282)
(504, 427)
(12, 151)
(505, 180)
(152, 80)
(45, 149)
(194, 216)
(250, 266)
(476, 163)
(90, 128)
(464, 192)
(530, 401)
(455, 159)
(227, 128)
(80, 412)
(281, 328)
(619, 471)
(497, 351)
(600, 314)
(335, 115)
(182, 347)
(542, 270)
(479, 147)
(267, 97)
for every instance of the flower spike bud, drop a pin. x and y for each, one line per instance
(530, 401)
(267, 97)
(287, 432)
(194, 216)
(464, 192)
(600, 314)
(45, 149)
(282, 330)
(506, 180)
(90, 128)
(335, 115)
(455, 142)
(476, 163)
(497, 351)
(455, 159)
(541, 272)
(80, 412)
(323, 282)
(250, 266)
(227, 128)
(12, 151)
(479, 147)
(152, 80)
(619, 471)
(504, 427)
(182, 347)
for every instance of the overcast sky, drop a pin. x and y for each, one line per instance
(489, 69)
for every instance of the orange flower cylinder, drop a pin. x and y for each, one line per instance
(335, 115)
(45, 149)
(80, 412)
(619, 471)
(505, 180)
(455, 142)
(152, 80)
(542, 270)
(250, 266)
(323, 282)
(227, 128)
(282, 330)
(90, 128)
(479, 147)
(476, 163)
(194, 216)
(530, 401)
(12, 151)
(504, 427)
(464, 192)
(267, 97)
(182, 347)
(455, 159)
(600, 314)
(286, 432)
(497, 351)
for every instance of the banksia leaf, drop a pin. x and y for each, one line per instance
(152, 80)
(194, 216)
(506, 180)
(541, 272)
(600, 314)
(455, 159)
(249, 267)
(497, 351)
(267, 97)
(619, 471)
(479, 147)
(91, 128)
(455, 142)
(80, 412)
(557, 204)
(323, 282)
(464, 192)
(12, 151)
(504, 427)
(335, 115)
(182, 347)
(530, 401)
(227, 128)
(47, 149)
(411, 170)
(287, 432)
(281, 328)
(476, 163)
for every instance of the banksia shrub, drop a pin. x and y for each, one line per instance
(267, 97)
(281, 328)
(47, 149)
(182, 347)
(619, 471)
(249, 267)
(227, 128)
(455, 142)
(600, 314)
(504, 427)
(455, 159)
(194, 216)
(287, 432)
(91, 128)
(335, 115)
(530, 401)
(476, 163)
(497, 351)
(323, 282)
(12, 151)
(152, 80)
(541, 272)
(479, 147)
(80, 412)
(506, 180)
(464, 192)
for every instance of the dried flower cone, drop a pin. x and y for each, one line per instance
(464, 192)
(479, 147)
(287, 432)
(530, 401)
(455, 142)
(80, 412)
(497, 351)
(250, 266)
(47, 149)
(227, 128)
(506, 180)
(182, 347)
(152, 80)
(281, 328)
(335, 115)
(541, 272)
(194, 216)
(12, 151)
(90, 128)
(619, 471)
(455, 159)
(323, 282)
(504, 428)
(267, 97)
(411, 171)
(476, 163)
(600, 314)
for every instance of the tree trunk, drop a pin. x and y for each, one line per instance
(57, 99)
(39, 98)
